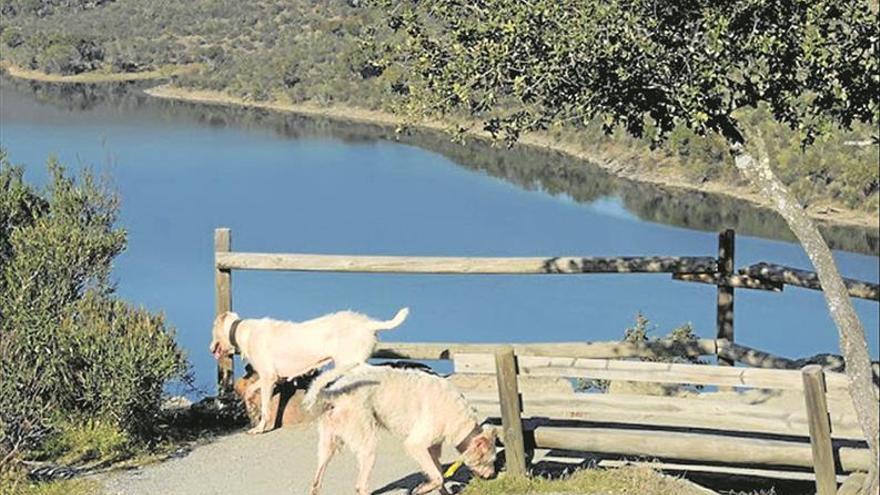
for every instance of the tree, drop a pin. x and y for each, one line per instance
(647, 67)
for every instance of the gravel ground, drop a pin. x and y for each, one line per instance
(279, 462)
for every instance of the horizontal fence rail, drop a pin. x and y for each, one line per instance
(753, 357)
(610, 350)
(692, 446)
(639, 371)
(809, 280)
(463, 265)
(734, 281)
(678, 412)
(752, 472)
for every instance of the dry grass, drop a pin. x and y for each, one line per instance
(15, 482)
(630, 480)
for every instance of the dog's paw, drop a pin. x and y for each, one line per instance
(256, 430)
(428, 487)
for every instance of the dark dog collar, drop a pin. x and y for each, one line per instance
(463, 445)
(232, 341)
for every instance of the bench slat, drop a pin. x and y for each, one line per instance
(670, 412)
(445, 350)
(692, 447)
(728, 470)
(640, 371)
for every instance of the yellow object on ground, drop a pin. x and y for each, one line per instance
(453, 468)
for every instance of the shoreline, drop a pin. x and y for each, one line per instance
(613, 163)
(96, 77)
(831, 215)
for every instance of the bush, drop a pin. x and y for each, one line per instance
(640, 333)
(70, 348)
(122, 357)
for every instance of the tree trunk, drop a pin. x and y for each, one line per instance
(853, 344)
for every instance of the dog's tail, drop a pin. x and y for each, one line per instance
(395, 322)
(321, 382)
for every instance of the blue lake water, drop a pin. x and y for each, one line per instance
(304, 186)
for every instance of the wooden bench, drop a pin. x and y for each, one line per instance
(734, 428)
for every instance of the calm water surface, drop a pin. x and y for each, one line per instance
(288, 184)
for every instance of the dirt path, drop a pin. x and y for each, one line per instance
(280, 462)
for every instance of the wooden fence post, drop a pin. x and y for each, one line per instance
(511, 419)
(820, 429)
(223, 303)
(724, 316)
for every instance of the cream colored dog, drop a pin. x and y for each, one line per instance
(424, 409)
(285, 350)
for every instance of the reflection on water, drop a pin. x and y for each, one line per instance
(528, 167)
(285, 183)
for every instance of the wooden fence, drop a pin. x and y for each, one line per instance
(691, 429)
(716, 270)
(510, 364)
(719, 434)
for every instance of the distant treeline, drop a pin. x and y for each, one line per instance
(310, 50)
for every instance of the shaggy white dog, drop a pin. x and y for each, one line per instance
(424, 409)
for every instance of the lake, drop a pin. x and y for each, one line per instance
(290, 184)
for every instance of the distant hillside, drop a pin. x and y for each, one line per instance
(42, 8)
(302, 50)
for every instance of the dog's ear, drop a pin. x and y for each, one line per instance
(228, 318)
(492, 435)
(225, 318)
(482, 444)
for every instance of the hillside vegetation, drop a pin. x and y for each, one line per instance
(319, 51)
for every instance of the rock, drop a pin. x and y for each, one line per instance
(176, 402)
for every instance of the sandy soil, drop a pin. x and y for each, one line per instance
(279, 462)
(97, 77)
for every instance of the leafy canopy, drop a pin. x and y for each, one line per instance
(641, 64)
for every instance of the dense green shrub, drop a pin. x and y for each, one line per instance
(70, 348)
(68, 55)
